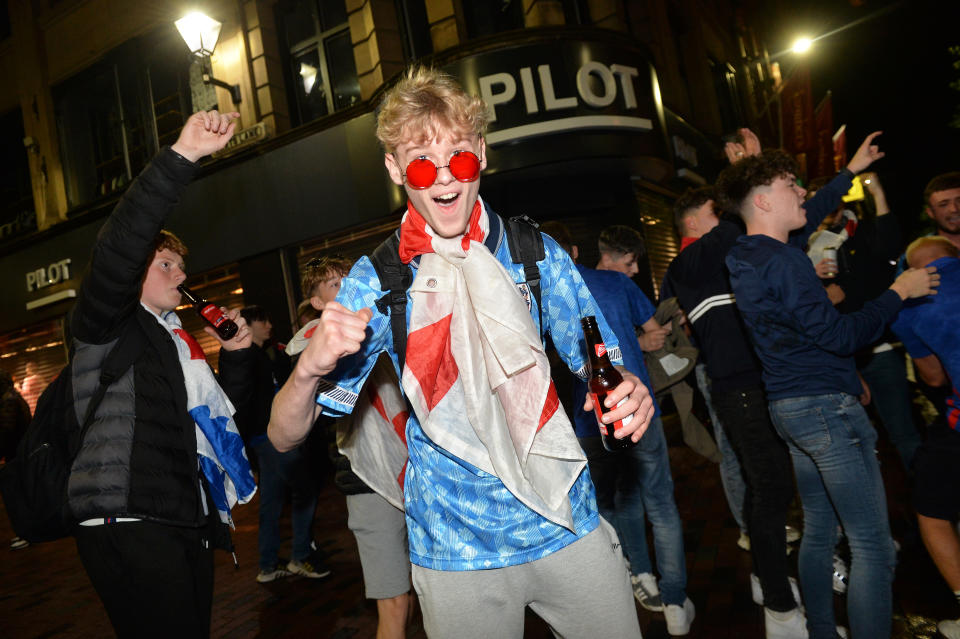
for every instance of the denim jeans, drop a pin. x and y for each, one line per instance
(279, 471)
(629, 482)
(731, 475)
(886, 373)
(766, 464)
(838, 476)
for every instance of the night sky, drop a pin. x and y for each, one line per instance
(890, 72)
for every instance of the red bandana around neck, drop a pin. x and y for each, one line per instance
(415, 240)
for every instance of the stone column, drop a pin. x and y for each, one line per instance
(377, 44)
(443, 24)
(39, 122)
(266, 66)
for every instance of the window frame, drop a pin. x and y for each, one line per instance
(303, 47)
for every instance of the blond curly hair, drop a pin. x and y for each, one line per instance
(425, 103)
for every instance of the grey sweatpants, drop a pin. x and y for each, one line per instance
(582, 590)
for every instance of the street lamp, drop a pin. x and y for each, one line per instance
(802, 45)
(201, 33)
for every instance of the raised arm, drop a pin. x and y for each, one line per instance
(827, 199)
(110, 290)
(340, 332)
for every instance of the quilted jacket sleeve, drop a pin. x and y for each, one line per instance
(110, 290)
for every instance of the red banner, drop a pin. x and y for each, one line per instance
(796, 104)
(823, 121)
(840, 148)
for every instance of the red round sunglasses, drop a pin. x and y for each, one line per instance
(422, 173)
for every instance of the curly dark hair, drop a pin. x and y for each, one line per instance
(167, 240)
(687, 203)
(621, 240)
(942, 182)
(737, 180)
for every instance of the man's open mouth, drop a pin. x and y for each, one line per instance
(447, 199)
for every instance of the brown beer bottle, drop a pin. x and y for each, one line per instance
(226, 328)
(603, 378)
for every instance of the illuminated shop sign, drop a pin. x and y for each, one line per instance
(49, 275)
(561, 87)
(40, 278)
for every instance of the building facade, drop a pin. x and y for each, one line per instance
(602, 112)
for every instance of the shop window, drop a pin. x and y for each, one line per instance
(17, 215)
(486, 17)
(221, 286)
(4, 22)
(33, 355)
(114, 116)
(322, 69)
(662, 244)
(414, 28)
(728, 100)
(352, 244)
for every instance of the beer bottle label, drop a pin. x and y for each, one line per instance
(213, 314)
(600, 409)
(601, 349)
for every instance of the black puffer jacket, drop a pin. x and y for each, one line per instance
(139, 457)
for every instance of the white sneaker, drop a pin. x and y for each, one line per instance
(757, 590)
(840, 575)
(646, 591)
(308, 569)
(679, 618)
(793, 627)
(266, 576)
(949, 628)
(18, 543)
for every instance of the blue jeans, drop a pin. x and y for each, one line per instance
(886, 373)
(731, 475)
(838, 477)
(279, 471)
(632, 481)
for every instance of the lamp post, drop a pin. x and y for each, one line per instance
(201, 34)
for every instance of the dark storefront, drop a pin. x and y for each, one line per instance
(579, 134)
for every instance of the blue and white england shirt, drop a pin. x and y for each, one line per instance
(458, 516)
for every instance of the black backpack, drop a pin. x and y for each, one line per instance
(34, 483)
(526, 247)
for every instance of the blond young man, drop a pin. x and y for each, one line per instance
(498, 518)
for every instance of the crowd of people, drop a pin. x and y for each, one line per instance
(436, 363)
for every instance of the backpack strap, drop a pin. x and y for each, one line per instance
(526, 247)
(395, 278)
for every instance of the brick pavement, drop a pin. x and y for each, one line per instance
(45, 593)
